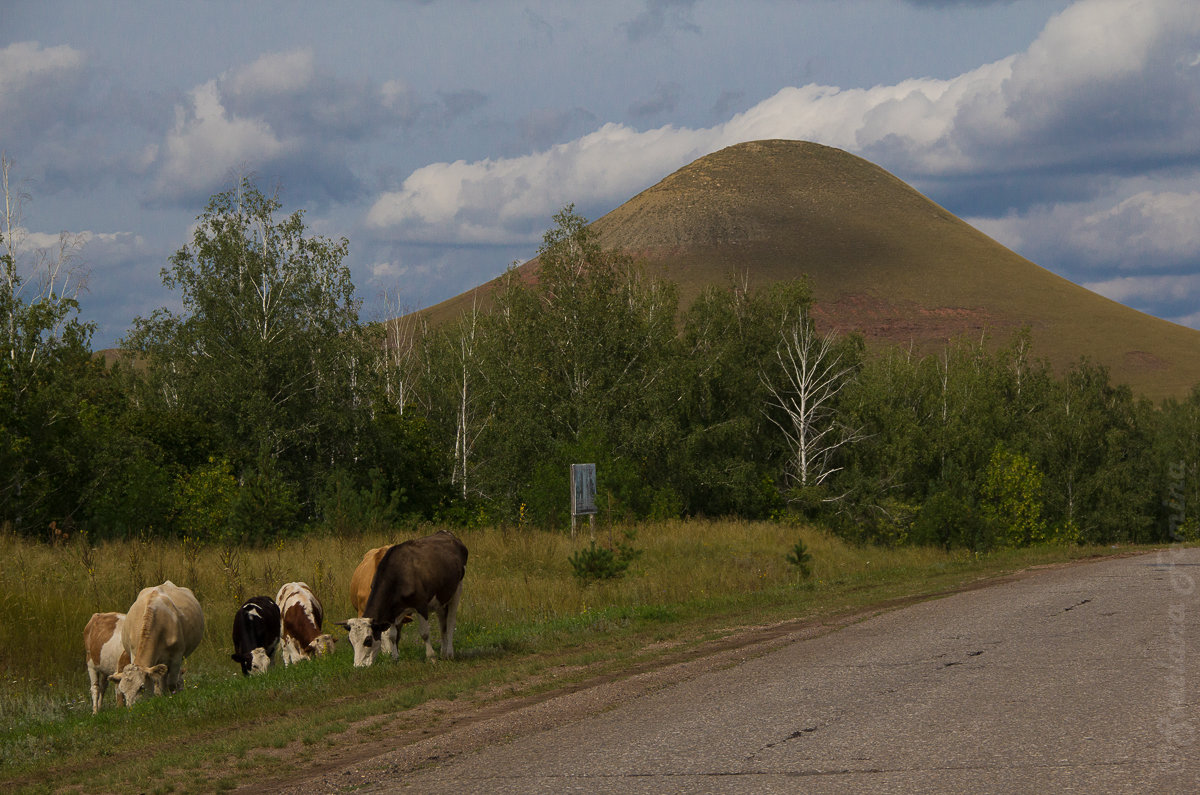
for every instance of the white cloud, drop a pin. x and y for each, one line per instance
(1191, 321)
(1132, 289)
(26, 64)
(274, 73)
(1029, 111)
(1126, 229)
(86, 244)
(207, 143)
(1149, 225)
(499, 201)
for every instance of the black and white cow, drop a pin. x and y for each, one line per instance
(256, 634)
(411, 577)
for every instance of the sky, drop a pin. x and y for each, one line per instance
(440, 138)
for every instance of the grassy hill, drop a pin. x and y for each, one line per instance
(882, 258)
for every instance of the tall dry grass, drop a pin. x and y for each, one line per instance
(517, 581)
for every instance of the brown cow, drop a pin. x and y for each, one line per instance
(412, 577)
(300, 624)
(360, 591)
(104, 653)
(164, 625)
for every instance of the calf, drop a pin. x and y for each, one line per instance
(256, 634)
(104, 654)
(300, 624)
(164, 625)
(412, 577)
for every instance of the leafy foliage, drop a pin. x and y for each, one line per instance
(264, 407)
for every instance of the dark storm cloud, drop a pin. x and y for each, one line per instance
(545, 127)
(659, 18)
(663, 101)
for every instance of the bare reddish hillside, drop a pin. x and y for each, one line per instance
(882, 258)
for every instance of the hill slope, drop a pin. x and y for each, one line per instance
(882, 259)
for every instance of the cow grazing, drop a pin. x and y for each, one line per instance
(300, 624)
(360, 591)
(256, 627)
(163, 626)
(412, 577)
(104, 653)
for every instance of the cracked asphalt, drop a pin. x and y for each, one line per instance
(1074, 679)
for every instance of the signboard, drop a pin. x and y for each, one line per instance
(583, 489)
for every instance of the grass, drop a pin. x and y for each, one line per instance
(523, 616)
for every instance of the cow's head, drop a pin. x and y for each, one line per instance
(134, 679)
(260, 661)
(364, 637)
(322, 644)
(256, 662)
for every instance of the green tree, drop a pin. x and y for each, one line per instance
(729, 454)
(47, 373)
(574, 367)
(1177, 449)
(1096, 447)
(1011, 499)
(267, 351)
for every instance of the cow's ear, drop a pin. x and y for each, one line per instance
(115, 677)
(379, 627)
(235, 658)
(343, 624)
(158, 670)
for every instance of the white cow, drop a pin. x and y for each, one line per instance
(104, 653)
(164, 625)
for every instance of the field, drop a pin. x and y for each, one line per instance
(523, 615)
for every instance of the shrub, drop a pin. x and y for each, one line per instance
(800, 558)
(1011, 499)
(946, 521)
(596, 563)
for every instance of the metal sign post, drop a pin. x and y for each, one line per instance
(583, 495)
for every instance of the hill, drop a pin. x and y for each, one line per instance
(882, 259)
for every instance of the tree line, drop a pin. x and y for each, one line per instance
(265, 408)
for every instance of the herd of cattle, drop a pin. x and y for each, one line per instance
(144, 648)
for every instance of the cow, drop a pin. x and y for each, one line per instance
(256, 627)
(163, 626)
(300, 624)
(104, 653)
(412, 577)
(360, 590)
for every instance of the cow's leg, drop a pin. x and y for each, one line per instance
(175, 678)
(389, 642)
(447, 617)
(423, 623)
(99, 685)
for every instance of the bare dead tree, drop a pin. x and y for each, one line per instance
(812, 374)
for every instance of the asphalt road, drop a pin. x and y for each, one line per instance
(1075, 679)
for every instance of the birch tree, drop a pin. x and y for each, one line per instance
(397, 342)
(267, 349)
(45, 358)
